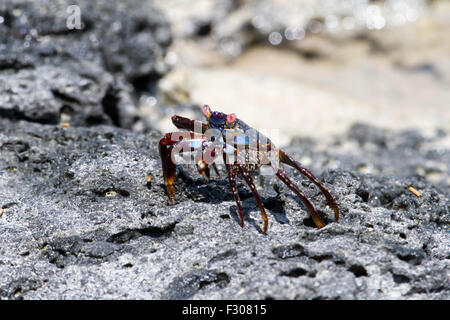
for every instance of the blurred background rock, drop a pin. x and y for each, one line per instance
(303, 67)
(310, 67)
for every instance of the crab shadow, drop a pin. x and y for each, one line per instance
(217, 190)
(273, 205)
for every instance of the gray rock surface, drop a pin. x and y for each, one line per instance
(50, 73)
(128, 37)
(81, 221)
(81, 94)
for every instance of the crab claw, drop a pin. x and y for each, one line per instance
(188, 124)
(168, 167)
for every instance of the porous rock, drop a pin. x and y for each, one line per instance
(53, 70)
(80, 220)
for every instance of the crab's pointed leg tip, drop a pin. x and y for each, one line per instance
(319, 224)
(171, 194)
(336, 214)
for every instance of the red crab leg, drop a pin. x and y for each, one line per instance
(168, 167)
(207, 172)
(166, 145)
(285, 158)
(208, 156)
(231, 170)
(315, 216)
(250, 183)
(203, 170)
(216, 170)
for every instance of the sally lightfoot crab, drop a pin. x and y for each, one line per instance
(243, 150)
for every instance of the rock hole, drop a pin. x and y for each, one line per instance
(123, 192)
(309, 222)
(61, 95)
(153, 232)
(204, 29)
(221, 280)
(9, 205)
(66, 113)
(223, 255)
(17, 292)
(320, 258)
(146, 84)
(141, 25)
(146, 214)
(274, 204)
(109, 135)
(399, 278)
(111, 192)
(358, 270)
(410, 258)
(364, 194)
(288, 251)
(294, 273)
(110, 106)
(94, 120)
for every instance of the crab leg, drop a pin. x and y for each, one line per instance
(184, 141)
(208, 156)
(203, 170)
(315, 216)
(216, 170)
(166, 145)
(285, 158)
(232, 172)
(252, 187)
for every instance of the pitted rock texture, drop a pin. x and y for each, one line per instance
(78, 94)
(52, 70)
(128, 37)
(81, 220)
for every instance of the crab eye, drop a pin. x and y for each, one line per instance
(231, 118)
(206, 111)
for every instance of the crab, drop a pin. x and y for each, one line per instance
(243, 150)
